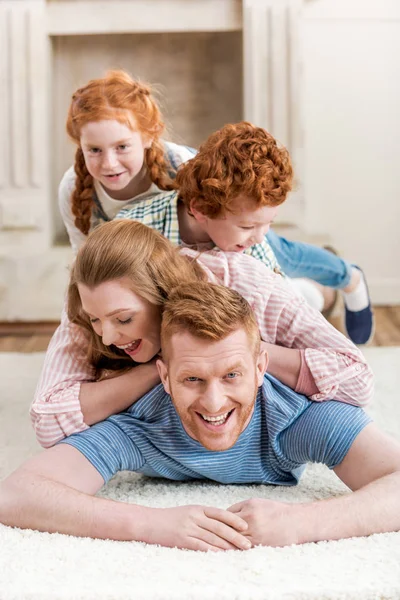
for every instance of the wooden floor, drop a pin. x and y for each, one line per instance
(34, 337)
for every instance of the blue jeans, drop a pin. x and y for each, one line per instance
(298, 259)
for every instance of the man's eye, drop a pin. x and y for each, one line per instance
(246, 228)
(128, 320)
(192, 379)
(232, 375)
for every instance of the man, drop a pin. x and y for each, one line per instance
(218, 417)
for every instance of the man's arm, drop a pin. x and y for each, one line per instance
(371, 468)
(53, 492)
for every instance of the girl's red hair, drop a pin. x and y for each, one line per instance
(119, 97)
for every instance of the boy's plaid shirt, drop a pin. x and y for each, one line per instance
(160, 212)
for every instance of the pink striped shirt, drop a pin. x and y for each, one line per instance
(332, 367)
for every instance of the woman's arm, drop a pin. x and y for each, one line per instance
(338, 369)
(332, 367)
(68, 398)
(100, 399)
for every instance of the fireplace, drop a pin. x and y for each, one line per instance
(214, 61)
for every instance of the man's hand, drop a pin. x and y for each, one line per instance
(269, 523)
(195, 528)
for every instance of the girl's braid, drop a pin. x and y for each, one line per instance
(158, 166)
(82, 196)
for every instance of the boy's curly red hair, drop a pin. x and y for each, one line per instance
(238, 159)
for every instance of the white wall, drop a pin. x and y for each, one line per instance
(351, 126)
(338, 114)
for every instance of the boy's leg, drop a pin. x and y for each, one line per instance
(359, 316)
(299, 259)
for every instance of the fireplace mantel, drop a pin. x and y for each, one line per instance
(88, 17)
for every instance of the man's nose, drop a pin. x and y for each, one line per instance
(213, 399)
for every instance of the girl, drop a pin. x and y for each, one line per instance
(120, 156)
(124, 273)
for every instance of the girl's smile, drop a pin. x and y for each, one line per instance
(114, 155)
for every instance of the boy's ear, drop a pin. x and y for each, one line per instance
(199, 216)
(163, 373)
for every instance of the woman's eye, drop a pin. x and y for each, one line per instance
(93, 320)
(122, 146)
(246, 228)
(94, 150)
(129, 320)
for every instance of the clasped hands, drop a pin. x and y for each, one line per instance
(243, 525)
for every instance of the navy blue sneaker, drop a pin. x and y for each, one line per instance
(359, 325)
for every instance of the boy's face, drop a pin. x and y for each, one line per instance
(213, 385)
(235, 231)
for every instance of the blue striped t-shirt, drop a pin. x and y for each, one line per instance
(286, 431)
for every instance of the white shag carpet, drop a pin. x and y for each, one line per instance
(51, 566)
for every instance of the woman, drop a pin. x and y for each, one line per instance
(122, 276)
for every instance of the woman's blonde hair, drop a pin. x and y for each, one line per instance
(126, 249)
(117, 97)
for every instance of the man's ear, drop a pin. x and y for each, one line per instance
(163, 373)
(199, 216)
(262, 364)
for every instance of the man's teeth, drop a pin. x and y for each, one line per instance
(126, 346)
(217, 420)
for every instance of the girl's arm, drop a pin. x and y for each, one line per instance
(66, 187)
(68, 398)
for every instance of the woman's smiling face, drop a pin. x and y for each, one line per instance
(122, 318)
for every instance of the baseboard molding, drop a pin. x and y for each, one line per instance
(384, 291)
(27, 328)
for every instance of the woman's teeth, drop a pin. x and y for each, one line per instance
(130, 346)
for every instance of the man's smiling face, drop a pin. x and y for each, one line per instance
(213, 385)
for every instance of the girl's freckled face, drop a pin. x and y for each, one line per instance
(114, 153)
